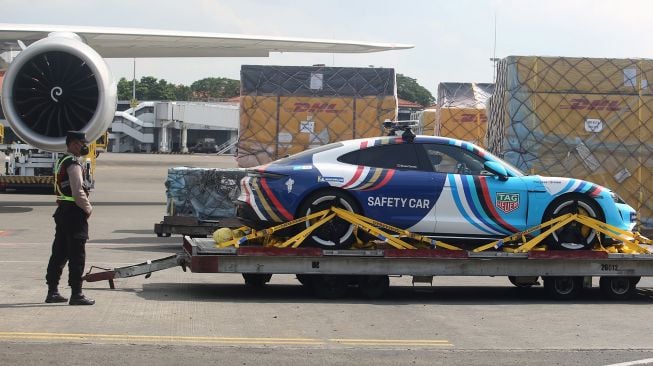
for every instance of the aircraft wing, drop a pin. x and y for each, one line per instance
(127, 43)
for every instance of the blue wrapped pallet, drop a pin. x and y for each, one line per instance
(203, 193)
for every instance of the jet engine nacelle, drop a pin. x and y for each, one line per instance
(55, 85)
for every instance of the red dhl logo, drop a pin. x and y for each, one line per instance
(315, 107)
(592, 105)
(470, 117)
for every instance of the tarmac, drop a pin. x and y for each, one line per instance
(177, 316)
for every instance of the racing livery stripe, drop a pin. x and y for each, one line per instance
(460, 204)
(388, 175)
(595, 191)
(589, 188)
(376, 173)
(477, 206)
(486, 202)
(358, 173)
(257, 209)
(359, 170)
(264, 202)
(569, 185)
(275, 201)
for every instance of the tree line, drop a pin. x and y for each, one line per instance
(151, 88)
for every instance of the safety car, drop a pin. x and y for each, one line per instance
(441, 187)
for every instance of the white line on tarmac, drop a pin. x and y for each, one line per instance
(648, 361)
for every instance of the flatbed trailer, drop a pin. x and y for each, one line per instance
(329, 273)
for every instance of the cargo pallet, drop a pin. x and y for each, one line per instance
(191, 226)
(329, 273)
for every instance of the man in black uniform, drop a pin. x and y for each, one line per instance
(71, 233)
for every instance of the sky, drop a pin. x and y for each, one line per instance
(454, 40)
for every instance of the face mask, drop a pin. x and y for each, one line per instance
(83, 150)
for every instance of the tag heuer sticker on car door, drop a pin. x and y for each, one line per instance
(507, 202)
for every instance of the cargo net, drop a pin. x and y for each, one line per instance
(206, 194)
(583, 118)
(288, 109)
(425, 121)
(461, 111)
(274, 127)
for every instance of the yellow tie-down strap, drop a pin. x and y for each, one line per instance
(631, 241)
(389, 234)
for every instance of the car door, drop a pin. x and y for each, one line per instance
(393, 187)
(475, 202)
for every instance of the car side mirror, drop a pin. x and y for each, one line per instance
(496, 169)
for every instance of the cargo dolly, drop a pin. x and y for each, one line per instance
(259, 254)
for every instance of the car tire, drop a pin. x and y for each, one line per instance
(574, 236)
(337, 233)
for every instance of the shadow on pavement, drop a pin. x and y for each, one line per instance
(397, 295)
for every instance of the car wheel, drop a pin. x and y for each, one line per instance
(574, 236)
(337, 233)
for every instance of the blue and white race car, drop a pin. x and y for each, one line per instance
(441, 187)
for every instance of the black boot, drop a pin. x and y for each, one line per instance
(54, 296)
(80, 299)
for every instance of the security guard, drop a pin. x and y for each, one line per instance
(71, 219)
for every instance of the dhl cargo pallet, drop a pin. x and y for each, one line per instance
(191, 226)
(329, 273)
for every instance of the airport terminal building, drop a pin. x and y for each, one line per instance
(169, 126)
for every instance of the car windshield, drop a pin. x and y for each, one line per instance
(513, 170)
(302, 155)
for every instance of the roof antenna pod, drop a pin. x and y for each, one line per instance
(406, 126)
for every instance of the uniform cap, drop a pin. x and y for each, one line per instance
(76, 135)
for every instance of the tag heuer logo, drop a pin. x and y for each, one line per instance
(507, 202)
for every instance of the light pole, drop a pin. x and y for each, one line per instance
(494, 68)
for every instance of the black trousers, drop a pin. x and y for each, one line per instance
(71, 233)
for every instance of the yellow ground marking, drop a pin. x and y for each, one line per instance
(219, 340)
(147, 338)
(393, 342)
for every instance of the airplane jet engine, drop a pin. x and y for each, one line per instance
(55, 85)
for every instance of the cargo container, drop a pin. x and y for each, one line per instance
(425, 121)
(288, 109)
(461, 111)
(585, 118)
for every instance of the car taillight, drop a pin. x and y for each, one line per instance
(259, 174)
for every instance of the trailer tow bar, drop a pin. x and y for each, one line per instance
(146, 268)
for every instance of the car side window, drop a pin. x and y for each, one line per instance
(393, 156)
(453, 159)
(349, 158)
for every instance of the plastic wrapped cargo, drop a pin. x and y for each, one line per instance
(426, 121)
(585, 118)
(461, 111)
(288, 109)
(206, 194)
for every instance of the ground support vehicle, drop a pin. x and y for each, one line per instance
(397, 252)
(26, 166)
(191, 226)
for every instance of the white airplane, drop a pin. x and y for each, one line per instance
(60, 82)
